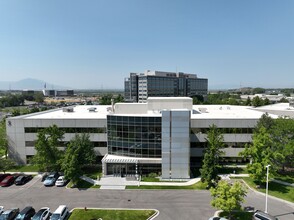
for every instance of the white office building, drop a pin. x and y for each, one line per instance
(166, 135)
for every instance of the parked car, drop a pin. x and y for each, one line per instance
(9, 180)
(61, 181)
(43, 214)
(260, 215)
(3, 176)
(23, 179)
(9, 214)
(26, 214)
(44, 176)
(51, 179)
(60, 213)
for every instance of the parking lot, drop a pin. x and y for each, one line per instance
(172, 204)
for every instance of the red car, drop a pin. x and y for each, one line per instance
(9, 180)
(3, 176)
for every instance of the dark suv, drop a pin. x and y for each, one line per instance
(26, 214)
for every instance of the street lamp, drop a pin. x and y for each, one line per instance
(266, 192)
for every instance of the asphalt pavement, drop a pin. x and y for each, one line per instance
(172, 204)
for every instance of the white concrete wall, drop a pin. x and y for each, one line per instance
(176, 144)
(17, 137)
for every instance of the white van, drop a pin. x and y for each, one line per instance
(60, 213)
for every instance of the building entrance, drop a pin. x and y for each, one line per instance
(121, 170)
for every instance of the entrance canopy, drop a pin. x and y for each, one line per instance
(108, 158)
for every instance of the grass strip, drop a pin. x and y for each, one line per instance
(196, 186)
(82, 184)
(26, 168)
(105, 214)
(274, 189)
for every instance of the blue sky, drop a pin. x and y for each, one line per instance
(97, 43)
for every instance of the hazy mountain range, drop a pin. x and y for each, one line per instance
(30, 84)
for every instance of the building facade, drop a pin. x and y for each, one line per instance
(166, 135)
(138, 87)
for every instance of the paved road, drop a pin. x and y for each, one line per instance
(172, 204)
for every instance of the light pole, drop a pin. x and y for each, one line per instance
(266, 192)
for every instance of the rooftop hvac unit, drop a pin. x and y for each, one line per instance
(92, 109)
(68, 109)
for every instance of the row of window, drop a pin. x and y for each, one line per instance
(224, 130)
(68, 130)
(150, 153)
(64, 143)
(226, 145)
(117, 119)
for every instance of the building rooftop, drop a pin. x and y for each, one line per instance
(79, 112)
(198, 112)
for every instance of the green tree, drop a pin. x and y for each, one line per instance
(266, 101)
(79, 153)
(284, 100)
(48, 155)
(265, 121)
(260, 153)
(248, 101)
(6, 164)
(283, 137)
(39, 97)
(198, 99)
(228, 197)
(256, 101)
(119, 98)
(258, 90)
(210, 167)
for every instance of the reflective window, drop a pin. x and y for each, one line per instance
(134, 136)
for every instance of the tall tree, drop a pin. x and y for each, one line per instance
(80, 152)
(260, 153)
(283, 147)
(210, 167)
(48, 155)
(248, 101)
(256, 101)
(228, 197)
(265, 121)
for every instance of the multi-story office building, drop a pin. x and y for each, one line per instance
(166, 135)
(138, 87)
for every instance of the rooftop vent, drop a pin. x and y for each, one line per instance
(203, 110)
(92, 109)
(68, 109)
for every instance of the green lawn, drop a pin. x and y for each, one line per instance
(238, 215)
(274, 189)
(149, 179)
(198, 186)
(82, 184)
(27, 168)
(81, 214)
(289, 178)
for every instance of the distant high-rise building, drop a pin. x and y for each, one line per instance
(138, 87)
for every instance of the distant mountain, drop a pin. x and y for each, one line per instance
(30, 84)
